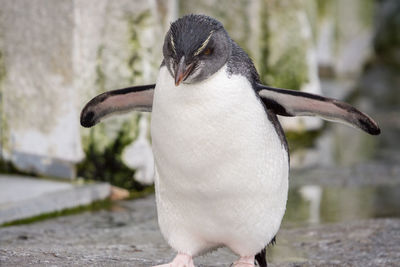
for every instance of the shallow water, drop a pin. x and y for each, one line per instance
(314, 204)
(360, 178)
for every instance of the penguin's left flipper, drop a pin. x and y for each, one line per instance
(294, 103)
(138, 98)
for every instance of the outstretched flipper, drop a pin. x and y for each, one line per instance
(294, 103)
(138, 98)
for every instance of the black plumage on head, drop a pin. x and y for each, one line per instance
(190, 32)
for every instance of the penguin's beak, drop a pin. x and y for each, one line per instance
(182, 71)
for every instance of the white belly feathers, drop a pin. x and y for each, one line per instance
(221, 170)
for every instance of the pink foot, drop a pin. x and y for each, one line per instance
(247, 261)
(181, 260)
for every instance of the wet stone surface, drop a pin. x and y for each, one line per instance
(128, 235)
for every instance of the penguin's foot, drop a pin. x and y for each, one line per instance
(247, 261)
(181, 260)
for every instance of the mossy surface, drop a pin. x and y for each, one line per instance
(135, 24)
(104, 143)
(4, 135)
(147, 190)
(366, 14)
(264, 44)
(302, 139)
(97, 205)
(100, 77)
(324, 7)
(7, 167)
(289, 71)
(283, 53)
(105, 164)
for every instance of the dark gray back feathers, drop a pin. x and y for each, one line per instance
(240, 63)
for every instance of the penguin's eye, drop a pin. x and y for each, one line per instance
(207, 52)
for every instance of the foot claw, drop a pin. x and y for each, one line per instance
(244, 262)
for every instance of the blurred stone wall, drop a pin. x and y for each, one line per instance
(39, 101)
(56, 55)
(381, 79)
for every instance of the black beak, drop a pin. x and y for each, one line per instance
(182, 71)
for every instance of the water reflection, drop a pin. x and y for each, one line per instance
(312, 194)
(313, 204)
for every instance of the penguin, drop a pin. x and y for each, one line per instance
(221, 157)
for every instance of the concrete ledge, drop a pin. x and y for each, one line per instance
(24, 197)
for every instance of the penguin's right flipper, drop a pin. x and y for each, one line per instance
(138, 98)
(294, 103)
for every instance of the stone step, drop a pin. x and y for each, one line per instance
(23, 197)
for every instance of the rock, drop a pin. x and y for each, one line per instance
(39, 111)
(139, 154)
(118, 193)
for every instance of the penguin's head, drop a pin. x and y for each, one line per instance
(195, 47)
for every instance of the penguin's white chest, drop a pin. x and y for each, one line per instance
(218, 160)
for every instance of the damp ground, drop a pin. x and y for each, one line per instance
(127, 235)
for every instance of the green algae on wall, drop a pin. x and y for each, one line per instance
(100, 76)
(288, 59)
(135, 23)
(104, 143)
(103, 147)
(2, 68)
(284, 45)
(302, 139)
(366, 12)
(103, 135)
(104, 163)
(324, 7)
(289, 71)
(145, 41)
(4, 136)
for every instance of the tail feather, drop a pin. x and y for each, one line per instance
(261, 257)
